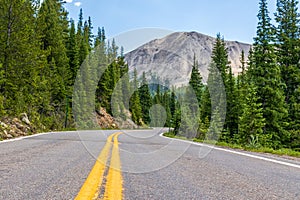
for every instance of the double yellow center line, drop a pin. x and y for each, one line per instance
(113, 186)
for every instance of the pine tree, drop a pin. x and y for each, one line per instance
(214, 131)
(81, 38)
(232, 106)
(84, 45)
(166, 99)
(90, 33)
(188, 127)
(145, 99)
(196, 80)
(97, 38)
(114, 49)
(135, 105)
(251, 120)
(173, 102)
(220, 57)
(288, 52)
(159, 108)
(104, 90)
(73, 52)
(205, 106)
(177, 119)
(157, 97)
(80, 24)
(51, 25)
(220, 60)
(242, 74)
(22, 61)
(241, 90)
(125, 86)
(114, 79)
(265, 74)
(203, 129)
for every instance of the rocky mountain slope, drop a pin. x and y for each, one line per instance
(171, 57)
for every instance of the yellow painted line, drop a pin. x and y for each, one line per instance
(114, 182)
(91, 186)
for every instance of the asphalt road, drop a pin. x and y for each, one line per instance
(63, 166)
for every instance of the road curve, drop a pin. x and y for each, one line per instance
(138, 164)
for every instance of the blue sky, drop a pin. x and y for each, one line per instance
(235, 19)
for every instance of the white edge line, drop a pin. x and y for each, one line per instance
(47, 133)
(194, 143)
(236, 152)
(31, 136)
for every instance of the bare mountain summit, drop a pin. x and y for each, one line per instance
(171, 57)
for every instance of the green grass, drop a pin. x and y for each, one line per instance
(69, 129)
(281, 152)
(169, 134)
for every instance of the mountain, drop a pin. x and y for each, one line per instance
(171, 57)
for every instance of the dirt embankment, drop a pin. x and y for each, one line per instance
(21, 126)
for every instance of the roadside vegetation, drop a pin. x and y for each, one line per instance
(254, 147)
(262, 103)
(42, 49)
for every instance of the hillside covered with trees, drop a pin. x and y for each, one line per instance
(262, 103)
(42, 51)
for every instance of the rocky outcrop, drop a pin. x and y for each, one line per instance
(21, 126)
(106, 121)
(15, 127)
(171, 57)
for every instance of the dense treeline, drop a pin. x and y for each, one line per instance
(41, 53)
(259, 107)
(263, 102)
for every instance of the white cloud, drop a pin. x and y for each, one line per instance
(77, 4)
